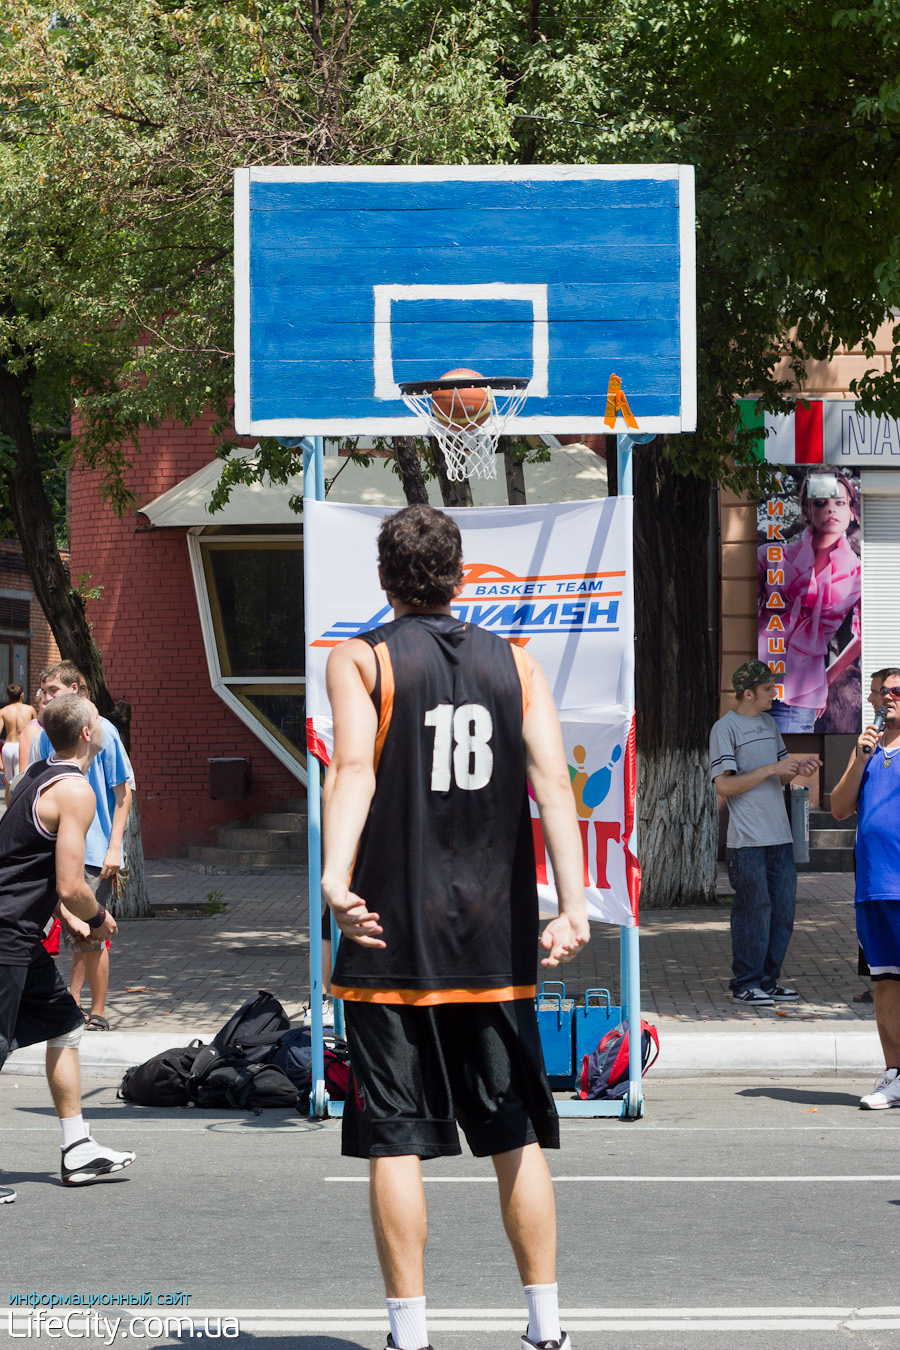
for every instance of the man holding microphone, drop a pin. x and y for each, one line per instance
(871, 786)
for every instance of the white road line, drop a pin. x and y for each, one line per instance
(625, 1177)
(486, 1320)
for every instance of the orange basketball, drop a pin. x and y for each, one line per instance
(461, 407)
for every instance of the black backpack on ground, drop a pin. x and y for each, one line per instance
(254, 1027)
(233, 1071)
(162, 1080)
(228, 1073)
(235, 1082)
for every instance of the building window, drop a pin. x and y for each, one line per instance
(250, 593)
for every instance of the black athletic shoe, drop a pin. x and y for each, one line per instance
(7, 1195)
(782, 995)
(86, 1161)
(753, 998)
(390, 1344)
(562, 1344)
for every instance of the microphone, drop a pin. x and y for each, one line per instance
(878, 724)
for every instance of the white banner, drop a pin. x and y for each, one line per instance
(557, 578)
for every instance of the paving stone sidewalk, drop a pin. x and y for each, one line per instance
(177, 974)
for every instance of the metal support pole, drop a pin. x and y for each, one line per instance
(314, 490)
(629, 951)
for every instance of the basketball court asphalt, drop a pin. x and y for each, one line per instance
(175, 978)
(733, 1215)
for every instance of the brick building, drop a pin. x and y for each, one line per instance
(26, 643)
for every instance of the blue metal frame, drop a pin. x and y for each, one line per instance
(632, 1105)
(319, 1102)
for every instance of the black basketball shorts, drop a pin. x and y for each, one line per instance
(418, 1071)
(35, 1005)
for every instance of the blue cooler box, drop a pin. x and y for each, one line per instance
(592, 1022)
(554, 1015)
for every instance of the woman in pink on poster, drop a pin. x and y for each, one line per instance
(821, 588)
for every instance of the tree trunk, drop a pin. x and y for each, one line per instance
(452, 493)
(515, 473)
(410, 467)
(64, 609)
(33, 518)
(132, 897)
(676, 684)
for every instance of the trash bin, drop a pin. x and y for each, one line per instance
(800, 823)
(229, 778)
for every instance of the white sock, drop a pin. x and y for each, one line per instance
(73, 1128)
(543, 1312)
(407, 1319)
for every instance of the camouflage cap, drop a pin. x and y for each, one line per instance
(751, 674)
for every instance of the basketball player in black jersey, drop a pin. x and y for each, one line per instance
(439, 727)
(41, 861)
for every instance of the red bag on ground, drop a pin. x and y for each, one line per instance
(604, 1072)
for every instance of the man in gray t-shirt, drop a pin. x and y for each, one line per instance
(748, 763)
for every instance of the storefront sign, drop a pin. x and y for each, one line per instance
(557, 579)
(826, 431)
(809, 588)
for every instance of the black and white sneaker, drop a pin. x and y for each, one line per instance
(753, 998)
(390, 1344)
(782, 995)
(562, 1344)
(86, 1161)
(7, 1195)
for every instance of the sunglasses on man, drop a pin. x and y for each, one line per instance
(893, 691)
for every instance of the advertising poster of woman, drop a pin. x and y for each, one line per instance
(809, 587)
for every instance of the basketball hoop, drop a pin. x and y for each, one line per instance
(467, 416)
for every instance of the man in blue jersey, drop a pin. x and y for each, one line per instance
(871, 785)
(439, 727)
(111, 777)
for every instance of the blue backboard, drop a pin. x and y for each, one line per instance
(350, 280)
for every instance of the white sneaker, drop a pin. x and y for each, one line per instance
(327, 1014)
(86, 1161)
(885, 1093)
(562, 1344)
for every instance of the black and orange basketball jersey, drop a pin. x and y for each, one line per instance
(446, 858)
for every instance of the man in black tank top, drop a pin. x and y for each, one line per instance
(439, 729)
(41, 863)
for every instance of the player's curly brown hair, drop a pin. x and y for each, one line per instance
(420, 555)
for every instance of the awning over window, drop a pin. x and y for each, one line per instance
(574, 473)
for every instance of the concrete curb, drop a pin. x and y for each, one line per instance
(825, 1052)
(752, 1052)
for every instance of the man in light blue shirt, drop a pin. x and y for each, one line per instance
(112, 779)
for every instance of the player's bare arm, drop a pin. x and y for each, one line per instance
(66, 809)
(349, 786)
(112, 863)
(845, 793)
(548, 774)
(731, 784)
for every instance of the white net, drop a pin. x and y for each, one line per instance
(468, 438)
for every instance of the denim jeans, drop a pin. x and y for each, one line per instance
(792, 718)
(762, 913)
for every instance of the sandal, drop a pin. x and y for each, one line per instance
(96, 1023)
(864, 997)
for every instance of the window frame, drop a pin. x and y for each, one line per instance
(228, 687)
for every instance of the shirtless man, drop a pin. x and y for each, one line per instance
(15, 716)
